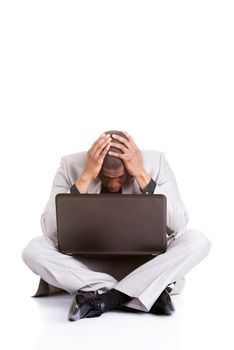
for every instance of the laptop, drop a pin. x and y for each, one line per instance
(111, 224)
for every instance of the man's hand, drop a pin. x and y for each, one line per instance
(96, 155)
(94, 160)
(131, 157)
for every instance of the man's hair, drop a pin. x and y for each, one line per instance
(111, 162)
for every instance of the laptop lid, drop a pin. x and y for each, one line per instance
(111, 224)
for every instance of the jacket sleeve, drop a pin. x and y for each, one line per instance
(60, 185)
(149, 189)
(74, 189)
(177, 215)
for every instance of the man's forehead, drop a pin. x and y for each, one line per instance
(113, 172)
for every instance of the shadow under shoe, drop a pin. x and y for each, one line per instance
(84, 305)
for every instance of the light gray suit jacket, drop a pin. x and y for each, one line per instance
(154, 162)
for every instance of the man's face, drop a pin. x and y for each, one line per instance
(114, 179)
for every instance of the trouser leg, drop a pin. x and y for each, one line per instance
(146, 283)
(63, 271)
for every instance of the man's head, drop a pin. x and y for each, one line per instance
(113, 173)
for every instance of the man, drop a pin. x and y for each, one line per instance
(114, 164)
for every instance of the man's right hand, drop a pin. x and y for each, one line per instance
(96, 155)
(94, 161)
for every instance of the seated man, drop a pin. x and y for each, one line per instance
(115, 164)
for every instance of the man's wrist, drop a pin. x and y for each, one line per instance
(150, 188)
(82, 183)
(85, 177)
(143, 179)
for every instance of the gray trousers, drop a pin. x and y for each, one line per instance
(142, 278)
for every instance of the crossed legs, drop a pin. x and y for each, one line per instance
(143, 281)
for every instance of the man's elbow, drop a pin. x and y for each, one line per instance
(177, 219)
(43, 225)
(181, 221)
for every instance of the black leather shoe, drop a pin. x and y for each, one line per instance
(163, 305)
(85, 304)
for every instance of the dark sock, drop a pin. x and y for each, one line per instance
(114, 299)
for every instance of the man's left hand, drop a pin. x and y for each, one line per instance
(131, 157)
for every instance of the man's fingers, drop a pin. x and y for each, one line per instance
(99, 143)
(101, 137)
(119, 146)
(123, 140)
(129, 137)
(100, 147)
(104, 151)
(117, 155)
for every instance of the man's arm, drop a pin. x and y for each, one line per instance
(60, 185)
(149, 189)
(94, 160)
(81, 185)
(177, 215)
(74, 189)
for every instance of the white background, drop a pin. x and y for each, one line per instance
(162, 71)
